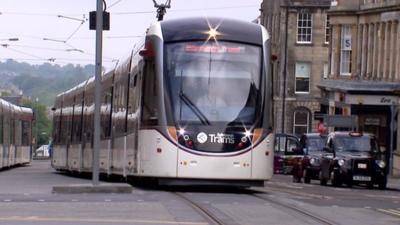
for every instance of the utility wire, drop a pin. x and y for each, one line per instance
(133, 12)
(115, 3)
(186, 10)
(21, 52)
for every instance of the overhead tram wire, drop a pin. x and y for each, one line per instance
(185, 10)
(22, 52)
(115, 3)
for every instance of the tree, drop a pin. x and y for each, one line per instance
(43, 125)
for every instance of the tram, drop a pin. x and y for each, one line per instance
(192, 104)
(15, 134)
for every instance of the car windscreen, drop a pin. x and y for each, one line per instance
(314, 144)
(355, 144)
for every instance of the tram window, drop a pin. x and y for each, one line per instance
(106, 113)
(1, 130)
(120, 105)
(12, 132)
(77, 123)
(18, 132)
(132, 103)
(150, 96)
(6, 129)
(26, 130)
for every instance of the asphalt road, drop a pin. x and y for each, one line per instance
(26, 198)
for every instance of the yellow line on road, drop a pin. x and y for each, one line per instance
(94, 220)
(390, 211)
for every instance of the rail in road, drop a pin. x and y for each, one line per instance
(206, 211)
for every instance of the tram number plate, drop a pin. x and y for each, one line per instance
(362, 166)
(362, 178)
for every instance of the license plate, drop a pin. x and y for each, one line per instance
(362, 178)
(362, 166)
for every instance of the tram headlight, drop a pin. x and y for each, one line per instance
(182, 131)
(380, 163)
(341, 162)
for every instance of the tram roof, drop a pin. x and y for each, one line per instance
(196, 29)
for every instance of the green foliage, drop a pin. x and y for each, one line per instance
(44, 81)
(43, 125)
(4, 93)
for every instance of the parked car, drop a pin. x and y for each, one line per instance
(353, 158)
(308, 167)
(285, 153)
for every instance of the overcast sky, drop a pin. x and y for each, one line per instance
(72, 42)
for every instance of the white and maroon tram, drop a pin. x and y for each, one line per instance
(192, 105)
(15, 134)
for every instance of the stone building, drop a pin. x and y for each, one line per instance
(364, 68)
(299, 46)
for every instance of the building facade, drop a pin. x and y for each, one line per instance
(364, 69)
(299, 45)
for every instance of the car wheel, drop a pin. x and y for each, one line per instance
(382, 185)
(306, 176)
(322, 181)
(335, 179)
(296, 179)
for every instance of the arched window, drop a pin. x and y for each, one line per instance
(301, 121)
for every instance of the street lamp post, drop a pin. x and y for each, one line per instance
(97, 97)
(36, 125)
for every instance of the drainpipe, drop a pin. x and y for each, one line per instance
(285, 70)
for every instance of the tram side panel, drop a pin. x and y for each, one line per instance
(1, 135)
(158, 157)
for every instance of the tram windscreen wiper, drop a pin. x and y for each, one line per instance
(194, 108)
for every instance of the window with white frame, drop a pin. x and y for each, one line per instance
(332, 52)
(301, 121)
(325, 71)
(345, 51)
(327, 29)
(302, 73)
(304, 28)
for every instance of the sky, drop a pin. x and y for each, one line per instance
(57, 31)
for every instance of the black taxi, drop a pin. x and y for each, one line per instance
(353, 158)
(308, 167)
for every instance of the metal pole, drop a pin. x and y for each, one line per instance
(285, 71)
(97, 98)
(36, 126)
(392, 116)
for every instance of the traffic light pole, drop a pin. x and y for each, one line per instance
(97, 98)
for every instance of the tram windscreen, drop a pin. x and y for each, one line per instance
(213, 83)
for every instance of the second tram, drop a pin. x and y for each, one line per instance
(15, 134)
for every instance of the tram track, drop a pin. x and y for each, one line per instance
(211, 218)
(296, 209)
(207, 215)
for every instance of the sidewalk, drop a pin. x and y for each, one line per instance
(393, 183)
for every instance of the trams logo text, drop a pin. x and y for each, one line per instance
(220, 138)
(202, 138)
